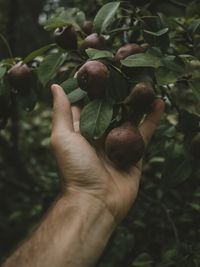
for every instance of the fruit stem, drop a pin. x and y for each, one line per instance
(7, 45)
(170, 98)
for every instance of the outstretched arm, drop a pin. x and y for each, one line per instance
(74, 233)
(95, 195)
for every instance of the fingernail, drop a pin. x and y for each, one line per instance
(54, 88)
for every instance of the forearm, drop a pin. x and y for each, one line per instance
(74, 233)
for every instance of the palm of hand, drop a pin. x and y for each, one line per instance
(87, 170)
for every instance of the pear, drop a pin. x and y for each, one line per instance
(19, 76)
(128, 50)
(93, 77)
(93, 41)
(87, 27)
(141, 98)
(124, 145)
(66, 37)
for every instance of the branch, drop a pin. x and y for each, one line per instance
(167, 212)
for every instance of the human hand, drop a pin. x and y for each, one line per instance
(88, 171)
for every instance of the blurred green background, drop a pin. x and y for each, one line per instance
(162, 229)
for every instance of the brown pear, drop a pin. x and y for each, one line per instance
(195, 146)
(19, 76)
(128, 50)
(141, 98)
(124, 145)
(93, 41)
(66, 37)
(88, 27)
(93, 77)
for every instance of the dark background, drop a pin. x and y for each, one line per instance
(162, 229)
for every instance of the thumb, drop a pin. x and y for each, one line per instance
(62, 114)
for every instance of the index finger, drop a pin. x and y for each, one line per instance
(151, 121)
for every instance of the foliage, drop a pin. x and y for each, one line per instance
(162, 227)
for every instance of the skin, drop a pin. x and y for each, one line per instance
(95, 196)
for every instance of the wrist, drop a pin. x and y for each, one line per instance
(82, 202)
(92, 227)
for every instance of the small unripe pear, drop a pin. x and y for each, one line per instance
(19, 76)
(128, 50)
(66, 37)
(87, 27)
(195, 146)
(93, 77)
(93, 41)
(124, 145)
(141, 97)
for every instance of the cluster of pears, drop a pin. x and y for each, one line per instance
(123, 145)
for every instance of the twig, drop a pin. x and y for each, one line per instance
(7, 45)
(167, 212)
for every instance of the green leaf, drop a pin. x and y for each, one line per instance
(166, 130)
(155, 33)
(48, 67)
(182, 172)
(174, 150)
(95, 119)
(4, 88)
(197, 47)
(118, 85)
(155, 51)
(80, 18)
(70, 16)
(144, 259)
(195, 206)
(188, 122)
(8, 61)
(174, 64)
(144, 75)
(76, 95)
(164, 76)
(27, 101)
(122, 29)
(69, 85)
(56, 22)
(95, 53)
(194, 26)
(169, 256)
(195, 86)
(142, 60)
(150, 23)
(37, 53)
(176, 172)
(158, 33)
(2, 71)
(105, 16)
